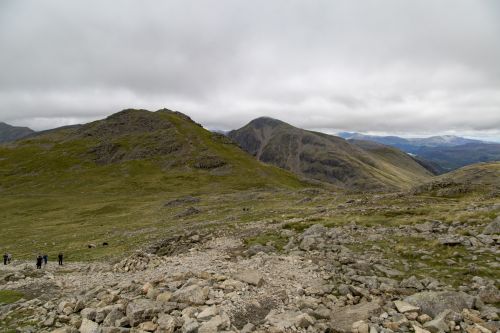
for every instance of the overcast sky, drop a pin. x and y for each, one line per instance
(417, 67)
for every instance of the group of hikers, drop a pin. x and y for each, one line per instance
(7, 258)
(40, 259)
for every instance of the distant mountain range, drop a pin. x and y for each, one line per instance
(438, 153)
(329, 158)
(10, 133)
(411, 144)
(353, 163)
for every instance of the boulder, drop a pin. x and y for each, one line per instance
(112, 317)
(493, 227)
(489, 294)
(208, 313)
(65, 307)
(451, 240)
(343, 318)
(167, 323)
(193, 294)
(412, 282)
(360, 327)
(214, 325)
(140, 310)
(89, 326)
(434, 303)
(148, 326)
(88, 313)
(418, 329)
(304, 320)
(249, 276)
(282, 321)
(405, 307)
(164, 297)
(315, 230)
(389, 272)
(438, 324)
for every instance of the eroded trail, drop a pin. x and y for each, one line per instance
(324, 280)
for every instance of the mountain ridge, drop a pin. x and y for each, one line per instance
(440, 153)
(324, 157)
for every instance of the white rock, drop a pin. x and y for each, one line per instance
(88, 326)
(250, 276)
(405, 307)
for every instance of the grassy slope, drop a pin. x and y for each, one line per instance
(401, 170)
(481, 174)
(55, 198)
(476, 179)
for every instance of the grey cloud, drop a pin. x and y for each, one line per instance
(392, 66)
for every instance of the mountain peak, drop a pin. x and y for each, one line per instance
(327, 158)
(266, 121)
(10, 133)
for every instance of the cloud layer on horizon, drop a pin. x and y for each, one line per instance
(421, 67)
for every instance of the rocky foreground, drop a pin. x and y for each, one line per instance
(316, 283)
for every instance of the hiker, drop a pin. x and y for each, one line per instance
(5, 258)
(39, 262)
(45, 259)
(60, 257)
(9, 258)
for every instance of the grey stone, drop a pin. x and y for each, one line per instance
(438, 324)
(493, 227)
(192, 294)
(112, 317)
(342, 318)
(167, 323)
(141, 310)
(412, 282)
(249, 276)
(89, 326)
(405, 307)
(433, 303)
(164, 297)
(389, 272)
(88, 313)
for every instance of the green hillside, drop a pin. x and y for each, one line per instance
(108, 180)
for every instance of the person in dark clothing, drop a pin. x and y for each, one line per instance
(60, 257)
(45, 259)
(39, 260)
(5, 258)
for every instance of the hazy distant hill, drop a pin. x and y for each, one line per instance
(454, 157)
(327, 157)
(411, 145)
(10, 133)
(438, 153)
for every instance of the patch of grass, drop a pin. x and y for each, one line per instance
(297, 226)
(10, 296)
(270, 238)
